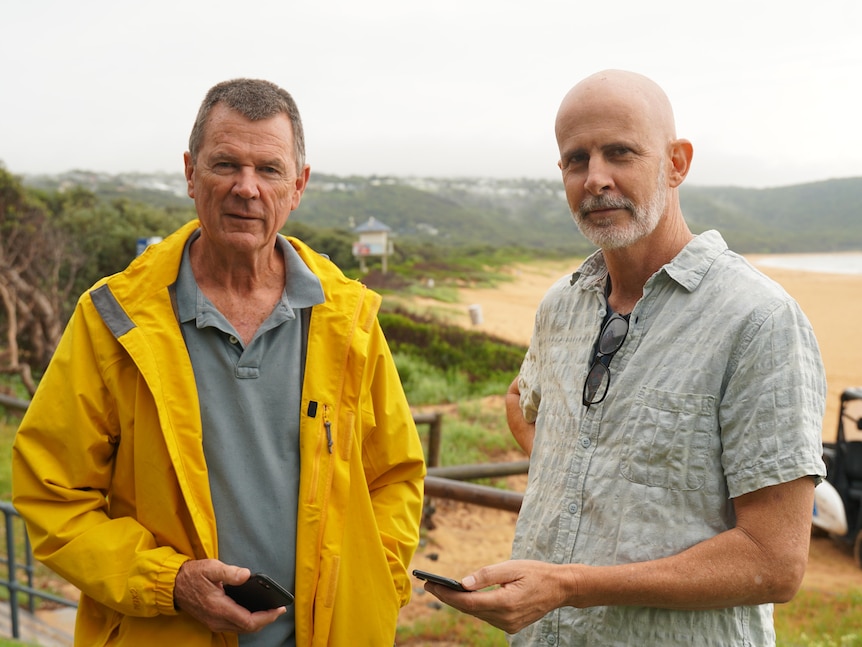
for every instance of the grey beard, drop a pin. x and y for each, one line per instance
(643, 221)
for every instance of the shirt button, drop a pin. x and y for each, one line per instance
(233, 340)
(573, 508)
(585, 442)
(552, 639)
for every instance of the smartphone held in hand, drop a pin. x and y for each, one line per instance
(259, 593)
(448, 582)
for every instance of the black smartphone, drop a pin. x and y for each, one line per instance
(259, 593)
(448, 582)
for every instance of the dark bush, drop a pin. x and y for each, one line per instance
(479, 356)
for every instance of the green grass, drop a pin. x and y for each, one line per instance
(425, 384)
(444, 294)
(817, 619)
(474, 435)
(452, 626)
(7, 435)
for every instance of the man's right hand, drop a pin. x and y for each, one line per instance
(199, 591)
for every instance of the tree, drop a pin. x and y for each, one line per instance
(53, 246)
(33, 258)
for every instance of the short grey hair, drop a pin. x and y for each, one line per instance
(255, 99)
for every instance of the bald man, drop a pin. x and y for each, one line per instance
(671, 401)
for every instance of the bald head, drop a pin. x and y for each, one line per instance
(619, 155)
(618, 91)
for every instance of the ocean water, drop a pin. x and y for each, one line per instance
(833, 263)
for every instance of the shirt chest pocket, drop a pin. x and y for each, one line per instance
(672, 440)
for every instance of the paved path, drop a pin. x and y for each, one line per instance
(47, 628)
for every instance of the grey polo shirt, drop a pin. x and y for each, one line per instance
(250, 399)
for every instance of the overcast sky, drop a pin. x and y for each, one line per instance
(768, 91)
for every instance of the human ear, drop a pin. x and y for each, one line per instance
(680, 153)
(299, 186)
(189, 168)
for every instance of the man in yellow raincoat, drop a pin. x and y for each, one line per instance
(226, 405)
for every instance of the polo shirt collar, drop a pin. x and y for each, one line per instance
(302, 288)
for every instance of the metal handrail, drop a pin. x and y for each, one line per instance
(11, 583)
(13, 403)
(447, 482)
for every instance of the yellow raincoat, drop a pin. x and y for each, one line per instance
(110, 476)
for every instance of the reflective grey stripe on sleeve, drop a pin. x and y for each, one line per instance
(111, 311)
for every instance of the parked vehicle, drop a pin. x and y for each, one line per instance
(838, 500)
